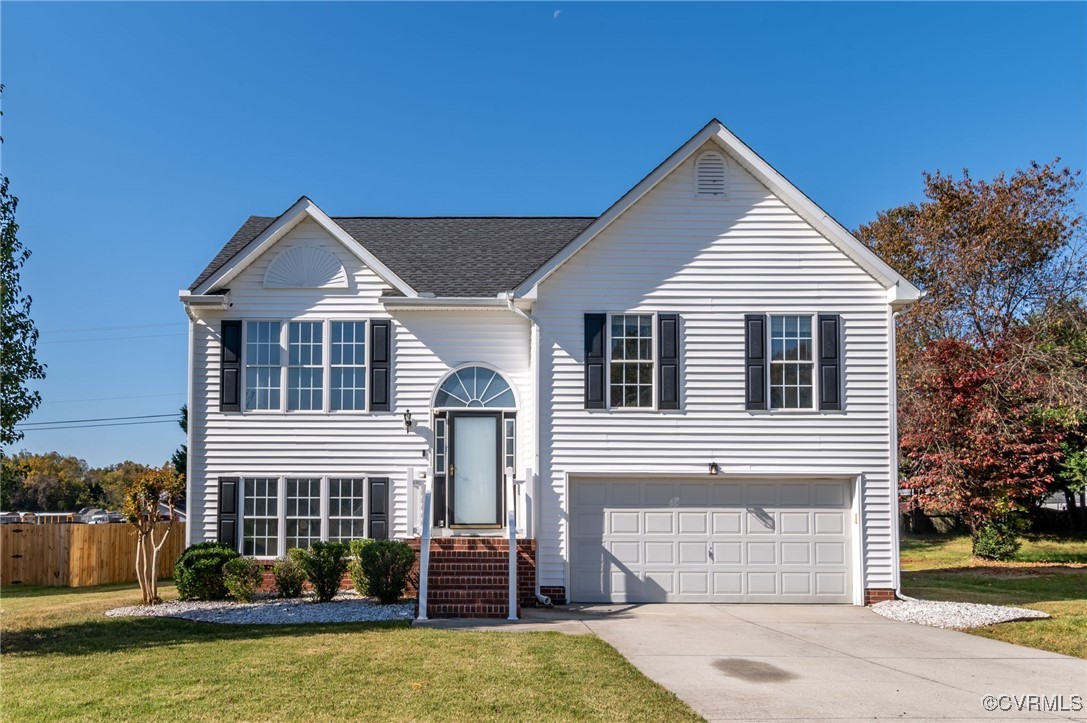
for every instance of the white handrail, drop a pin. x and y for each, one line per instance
(424, 543)
(511, 528)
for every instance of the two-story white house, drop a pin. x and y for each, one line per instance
(689, 398)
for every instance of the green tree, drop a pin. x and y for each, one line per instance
(52, 482)
(18, 336)
(180, 457)
(114, 479)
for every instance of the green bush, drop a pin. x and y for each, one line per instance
(199, 571)
(242, 576)
(358, 577)
(289, 575)
(324, 563)
(997, 540)
(386, 565)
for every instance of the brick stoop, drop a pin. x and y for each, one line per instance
(468, 576)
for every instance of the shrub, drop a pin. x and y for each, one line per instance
(289, 575)
(324, 563)
(997, 540)
(242, 576)
(386, 565)
(199, 571)
(358, 577)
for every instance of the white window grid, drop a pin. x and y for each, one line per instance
(305, 366)
(792, 365)
(262, 365)
(303, 512)
(510, 442)
(439, 444)
(260, 516)
(348, 366)
(346, 508)
(631, 340)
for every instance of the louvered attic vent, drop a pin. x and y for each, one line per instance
(711, 175)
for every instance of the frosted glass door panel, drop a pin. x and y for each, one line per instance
(475, 476)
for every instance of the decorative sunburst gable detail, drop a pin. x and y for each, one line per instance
(305, 267)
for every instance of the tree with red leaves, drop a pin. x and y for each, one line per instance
(991, 370)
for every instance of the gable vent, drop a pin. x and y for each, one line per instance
(305, 267)
(711, 175)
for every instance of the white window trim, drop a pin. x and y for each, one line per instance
(814, 316)
(284, 358)
(281, 494)
(654, 361)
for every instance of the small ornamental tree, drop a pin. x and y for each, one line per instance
(142, 499)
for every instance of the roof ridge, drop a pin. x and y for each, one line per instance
(465, 218)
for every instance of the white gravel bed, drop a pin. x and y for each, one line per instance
(344, 608)
(957, 615)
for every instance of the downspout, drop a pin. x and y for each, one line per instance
(534, 354)
(189, 421)
(892, 376)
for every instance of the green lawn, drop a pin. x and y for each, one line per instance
(1049, 574)
(61, 658)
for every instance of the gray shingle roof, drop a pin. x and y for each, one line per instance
(449, 256)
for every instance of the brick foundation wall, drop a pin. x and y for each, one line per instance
(878, 594)
(557, 593)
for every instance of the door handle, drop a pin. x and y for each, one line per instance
(452, 470)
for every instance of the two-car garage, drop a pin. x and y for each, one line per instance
(711, 540)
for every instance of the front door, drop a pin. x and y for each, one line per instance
(475, 469)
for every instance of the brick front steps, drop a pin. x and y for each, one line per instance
(469, 577)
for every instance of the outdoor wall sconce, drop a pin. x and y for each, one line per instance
(714, 469)
(407, 421)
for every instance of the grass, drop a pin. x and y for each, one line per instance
(61, 658)
(1049, 574)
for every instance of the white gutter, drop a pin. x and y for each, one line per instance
(896, 517)
(207, 300)
(424, 303)
(534, 360)
(190, 420)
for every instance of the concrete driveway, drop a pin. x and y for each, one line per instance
(775, 662)
(812, 662)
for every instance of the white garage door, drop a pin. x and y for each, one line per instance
(662, 541)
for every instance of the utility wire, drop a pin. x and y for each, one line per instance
(110, 338)
(108, 399)
(109, 328)
(98, 419)
(94, 426)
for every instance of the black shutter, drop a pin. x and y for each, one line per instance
(755, 360)
(594, 360)
(379, 508)
(668, 361)
(380, 365)
(230, 366)
(228, 511)
(830, 361)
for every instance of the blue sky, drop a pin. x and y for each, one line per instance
(139, 136)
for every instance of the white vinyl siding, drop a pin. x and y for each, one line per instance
(713, 263)
(426, 345)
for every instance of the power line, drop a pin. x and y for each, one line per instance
(111, 338)
(95, 426)
(109, 328)
(98, 419)
(109, 399)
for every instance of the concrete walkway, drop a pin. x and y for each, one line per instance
(800, 662)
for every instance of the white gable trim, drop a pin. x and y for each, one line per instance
(900, 291)
(302, 209)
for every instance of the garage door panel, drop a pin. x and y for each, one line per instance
(661, 541)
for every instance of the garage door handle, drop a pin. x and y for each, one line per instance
(709, 551)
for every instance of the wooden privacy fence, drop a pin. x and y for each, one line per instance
(79, 555)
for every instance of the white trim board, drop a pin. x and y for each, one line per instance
(302, 209)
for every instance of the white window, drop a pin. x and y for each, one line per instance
(346, 512)
(260, 517)
(348, 365)
(303, 513)
(280, 513)
(262, 367)
(791, 364)
(631, 364)
(305, 365)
